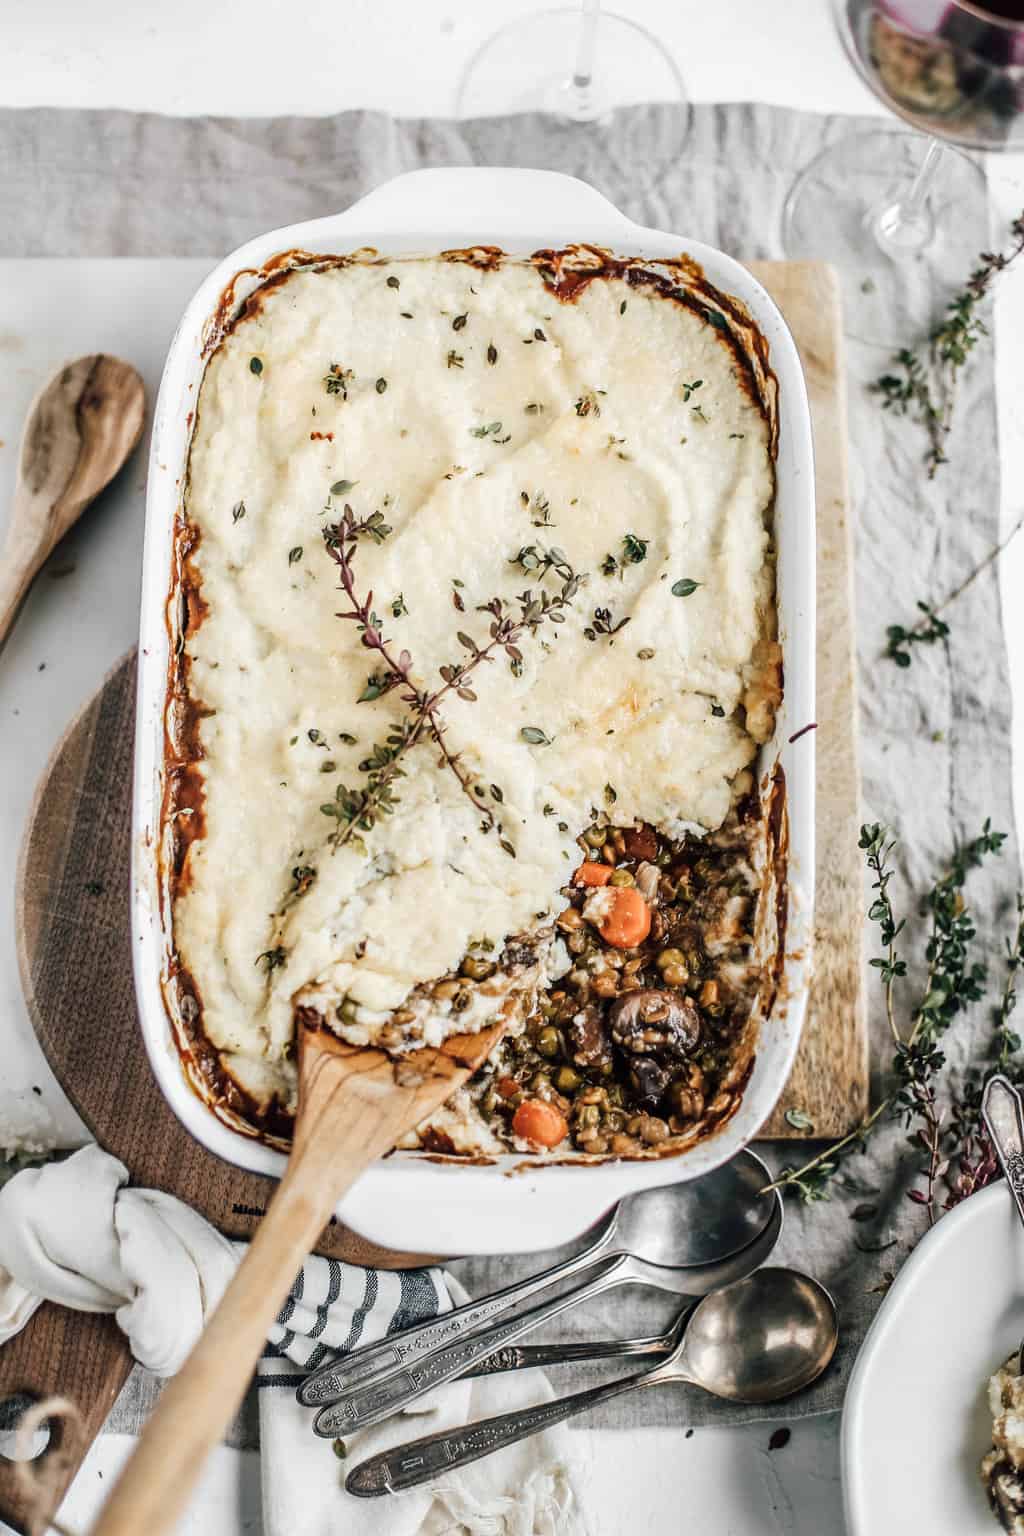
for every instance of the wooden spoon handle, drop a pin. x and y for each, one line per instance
(197, 1405)
(18, 566)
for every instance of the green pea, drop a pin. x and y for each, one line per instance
(549, 1041)
(566, 1080)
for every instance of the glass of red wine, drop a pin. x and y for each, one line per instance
(576, 66)
(875, 203)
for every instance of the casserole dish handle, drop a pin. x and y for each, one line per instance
(494, 202)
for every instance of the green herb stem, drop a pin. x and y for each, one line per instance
(931, 628)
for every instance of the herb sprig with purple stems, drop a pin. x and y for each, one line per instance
(359, 809)
(955, 980)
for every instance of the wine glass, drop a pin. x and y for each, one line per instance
(582, 69)
(877, 203)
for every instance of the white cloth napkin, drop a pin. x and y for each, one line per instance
(73, 1233)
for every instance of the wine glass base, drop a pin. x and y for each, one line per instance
(841, 209)
(530, 66)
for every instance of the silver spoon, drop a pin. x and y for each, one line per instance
(757, 1341)
(680, 1225)
(383, 1396)
(1004, 1120)
(525, 1357)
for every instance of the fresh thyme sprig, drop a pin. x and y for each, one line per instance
(1006, 1042)
(359, 809)
(931, 628)
(877, 850)
(926, 386)
(954, 981)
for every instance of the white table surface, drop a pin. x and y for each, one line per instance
(215, 56)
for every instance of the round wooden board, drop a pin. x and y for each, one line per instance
(74, 946)
(73, 921)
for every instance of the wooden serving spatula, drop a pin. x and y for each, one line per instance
(354, 1105)
(81, 428)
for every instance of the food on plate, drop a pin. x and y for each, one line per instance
(1002, 1469)
(476, 647)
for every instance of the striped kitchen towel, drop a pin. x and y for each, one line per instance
(72, 1232)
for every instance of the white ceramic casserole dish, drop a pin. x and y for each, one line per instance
(410, 1200)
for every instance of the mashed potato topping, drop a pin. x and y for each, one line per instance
(491, 420)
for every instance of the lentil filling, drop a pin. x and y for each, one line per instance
(639, 1042)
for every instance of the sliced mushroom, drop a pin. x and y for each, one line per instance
(640, 842)
(653, 1022)
(589, 1045)
(649, 1080)
(646, 881)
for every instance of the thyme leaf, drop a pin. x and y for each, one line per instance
(337, 380)
(272, 958)
(603, 623)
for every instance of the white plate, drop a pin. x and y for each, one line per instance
(916, 1421)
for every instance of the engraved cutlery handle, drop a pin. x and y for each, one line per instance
(1004, 1121)
(524, 1357)
(332, 1381)
(380, 1398)
(405, 1466)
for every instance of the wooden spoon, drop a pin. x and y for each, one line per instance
(354, 1105)
(81, 428)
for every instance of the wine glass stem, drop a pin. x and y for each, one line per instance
(924, 180)
(906, 225)
(583, 74)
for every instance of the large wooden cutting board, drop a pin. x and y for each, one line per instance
(74, 924)
(829, 1081)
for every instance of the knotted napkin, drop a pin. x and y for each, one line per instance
(72, 1232)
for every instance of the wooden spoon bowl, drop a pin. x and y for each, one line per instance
(355, 1103)
(81, 428)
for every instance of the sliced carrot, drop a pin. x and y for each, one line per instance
(540, 1123)
(507, 1087)
(592, 874)
(629, 920)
